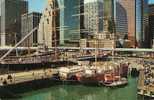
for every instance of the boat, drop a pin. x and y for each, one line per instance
(92, 77)
(116, 76)
(121, 82)
(70, 74)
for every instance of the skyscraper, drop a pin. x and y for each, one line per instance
(109, 15)
(10, 12)
(70, 21)
(108, 8)
(48, 34)
(28, 22)
(125, 20)
(151, 23)
(93, 12)
(132, 19)
(142, 34)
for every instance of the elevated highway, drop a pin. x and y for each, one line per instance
(106, 49)
(78, 48)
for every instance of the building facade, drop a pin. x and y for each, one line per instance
(142, 22)
(132, 21)
(48, 34)
(151, 23)
(109, 15)
(125, 20)
(70, 23)
(29, 22)
(93, 12)
(10, 12)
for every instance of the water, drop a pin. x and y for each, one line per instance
(80, 92)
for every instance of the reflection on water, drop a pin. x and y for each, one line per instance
(80, 92)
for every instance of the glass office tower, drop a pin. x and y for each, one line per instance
(69, 21)
(135, 21)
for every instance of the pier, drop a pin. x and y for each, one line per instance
(22, 77)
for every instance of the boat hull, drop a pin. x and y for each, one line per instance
(92, 80)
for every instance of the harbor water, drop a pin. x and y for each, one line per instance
(82, 92)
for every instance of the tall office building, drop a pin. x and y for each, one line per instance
(10, 20)
(108, 8)
(47, 33)
(125, 20)
(70, 21)
(28, 22)
(93, 12)
(142, 22)
(109, 15)
(132, 19)
(151, 23)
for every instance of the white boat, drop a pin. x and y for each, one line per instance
(118, 83)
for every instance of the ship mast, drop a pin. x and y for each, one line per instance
(96, 40)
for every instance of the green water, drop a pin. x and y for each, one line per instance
(80, 92)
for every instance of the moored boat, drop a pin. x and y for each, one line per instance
(116, 76)
(121, 82)
(92, 76)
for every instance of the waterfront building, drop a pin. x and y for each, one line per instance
(10, 20)
(28, 22)
(151, 23)
(47, 33)
(93, 16)
(70, 21)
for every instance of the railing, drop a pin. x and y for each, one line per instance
(6, 54)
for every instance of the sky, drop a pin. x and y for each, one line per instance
(39, 5)
(151, 1)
